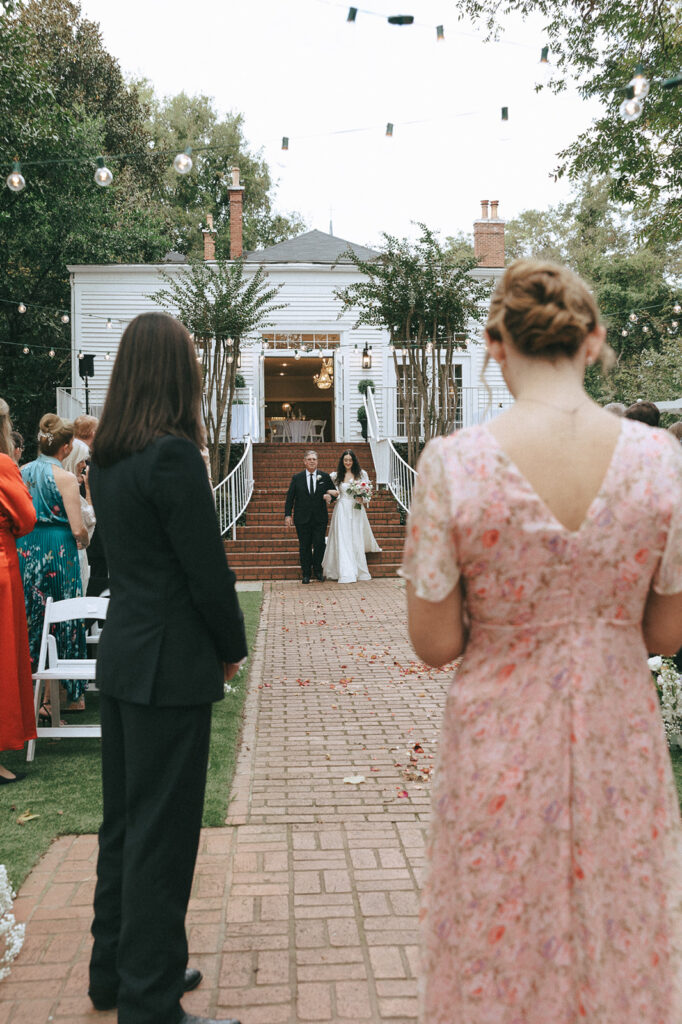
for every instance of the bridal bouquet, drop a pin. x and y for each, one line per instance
(669, 686)
(361, 490)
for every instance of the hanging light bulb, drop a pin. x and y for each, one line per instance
(639, 84)
(429, 348)
(646, 329)
(677, 308)
(103, 176)
(107, 356)
(297, 354)
(109, 324)
(631, 109)
(21, 308)
(183, 161)
(230, 342)
(25, 350)
(80, 354)
(64, 318)
(15, 179)
(633, 318)
(674, 325)
(230, 358)
(624, 333)
(51, 353)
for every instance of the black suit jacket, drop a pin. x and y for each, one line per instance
(174, 616)
(308, 507)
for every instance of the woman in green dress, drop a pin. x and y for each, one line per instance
(48, 556)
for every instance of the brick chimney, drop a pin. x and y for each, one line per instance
(489, 236)
(209, 238)
(235, 193)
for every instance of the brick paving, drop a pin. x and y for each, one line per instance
(304, 906)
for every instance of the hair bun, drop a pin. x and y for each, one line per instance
(544, 308)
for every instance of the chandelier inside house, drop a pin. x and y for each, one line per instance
(325, 378)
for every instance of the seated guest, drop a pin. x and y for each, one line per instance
(85, 428)
(48, 556)
(645, 412)
(17, 446)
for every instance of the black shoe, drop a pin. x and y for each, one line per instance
(189, 1018)
(18, 776)
(104, 1001)
(319, 576)
(306, 579)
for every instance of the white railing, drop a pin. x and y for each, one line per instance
(474, 405)
(401, 478)
(233, 494)
(71, 401)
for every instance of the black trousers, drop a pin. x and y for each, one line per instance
(311, 545)
(154, 762)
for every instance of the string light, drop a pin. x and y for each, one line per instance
(624, 333)
(183, 161)
(505, 113)
(26, 350)
(633, 318)
(103, 176)
(285, 142)
(21, 308)
(230, 358)
(109, 325)
(51, 353)
(677, 308)
(15, 179)
(639, 84)
(631, 108)
(429, 348)
(297, 354)
(389, 128)
(64, 318)
(440, 32)
(107, 356)
(544, 55)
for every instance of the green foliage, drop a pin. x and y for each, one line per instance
(220, 306)
(181, 121)
(425, 296)
(364, 385)
(597, 46)
(362, 420)
(626, 273)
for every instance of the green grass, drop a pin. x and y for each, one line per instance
(64, 785)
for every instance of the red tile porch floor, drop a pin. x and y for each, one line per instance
(304, 906)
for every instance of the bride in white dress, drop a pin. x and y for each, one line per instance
(350, 534)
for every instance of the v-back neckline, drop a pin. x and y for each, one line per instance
(541, 501)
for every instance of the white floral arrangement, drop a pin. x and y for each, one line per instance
(361, 490)
(669, 685)
(11, 933)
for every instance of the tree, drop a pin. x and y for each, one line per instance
(182, 121)
(629, 277)
(61, 216)
(220, 306)
(597, 45)
(426, 298)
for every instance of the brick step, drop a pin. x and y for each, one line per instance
(280, 546)
(254, 531)
(293, 572)
(240, 558)
(274, 519)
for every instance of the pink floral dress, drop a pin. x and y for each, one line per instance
(554, 887)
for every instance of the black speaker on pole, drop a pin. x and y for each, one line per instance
(86, 366)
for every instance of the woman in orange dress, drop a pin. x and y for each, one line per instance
(17, 517)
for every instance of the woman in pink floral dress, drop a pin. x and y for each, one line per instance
(547, 546)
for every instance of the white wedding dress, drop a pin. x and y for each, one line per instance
(350, 536)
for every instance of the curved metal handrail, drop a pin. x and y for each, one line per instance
(233, 494)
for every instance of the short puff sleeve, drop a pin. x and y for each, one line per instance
(430, 554)
(668, 576)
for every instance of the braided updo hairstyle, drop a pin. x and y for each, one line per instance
(546, 310)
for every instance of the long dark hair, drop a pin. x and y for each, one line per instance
(155, 389)
(341, 469)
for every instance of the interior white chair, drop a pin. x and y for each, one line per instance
(317, 430)
(277, 430)
(52, 669)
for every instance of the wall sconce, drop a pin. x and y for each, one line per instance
(366, 359)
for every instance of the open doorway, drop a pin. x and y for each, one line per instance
(290, 392)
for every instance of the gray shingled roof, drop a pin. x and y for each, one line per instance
(312, 247)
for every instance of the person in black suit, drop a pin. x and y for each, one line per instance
(309, 499)
(173, 634)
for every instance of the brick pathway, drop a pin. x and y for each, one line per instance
(304, 906)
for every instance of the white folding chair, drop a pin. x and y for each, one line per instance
(317, 430)
(52, 669)
(277, 430)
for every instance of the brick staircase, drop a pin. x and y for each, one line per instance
(265, 550)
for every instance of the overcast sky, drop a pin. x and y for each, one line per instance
(297, 68)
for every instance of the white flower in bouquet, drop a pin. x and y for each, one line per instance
(361, 490)
(11, 933)
(669, 686)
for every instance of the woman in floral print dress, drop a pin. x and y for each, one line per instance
(547, 546)
(48, 557)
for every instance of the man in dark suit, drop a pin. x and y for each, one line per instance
(308, 498)
(173, 634)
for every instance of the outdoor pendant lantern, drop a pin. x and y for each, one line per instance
(366, 359)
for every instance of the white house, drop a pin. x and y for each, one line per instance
(280, 364)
